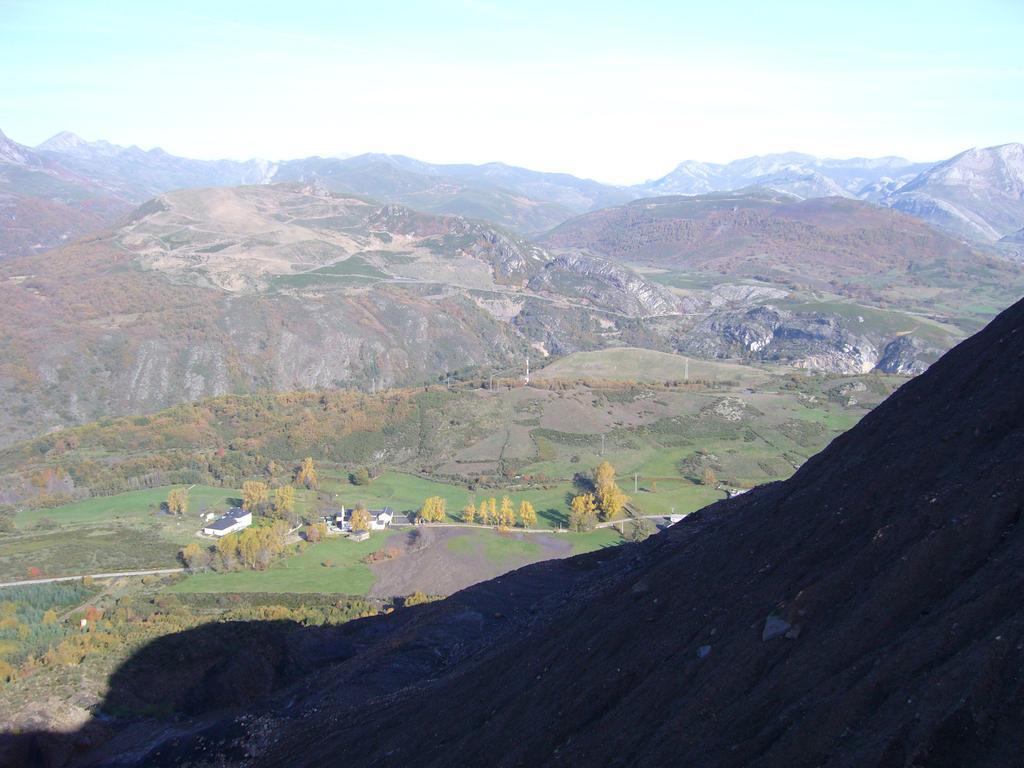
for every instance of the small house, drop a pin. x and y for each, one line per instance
(235, 520)
(379, 519)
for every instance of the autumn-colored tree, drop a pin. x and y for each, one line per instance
(360, 520)
(248, 547)
(610, 498)
(177, 501)
(316, 532)
(708, 477)
(527, 514)
(433, 510)
(193, 556)
(492, 511)
(227, 549)
(307, 473)
(506, 514)
(583, 516)
(469, 512)
(254, 495)
(360, 477)
(284, 500)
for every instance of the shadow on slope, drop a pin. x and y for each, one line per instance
(865, 612)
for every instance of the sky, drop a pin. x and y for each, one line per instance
(616, 91)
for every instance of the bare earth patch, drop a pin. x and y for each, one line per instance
(441, 561)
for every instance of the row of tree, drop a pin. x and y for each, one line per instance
(504, 516)
(490, 512)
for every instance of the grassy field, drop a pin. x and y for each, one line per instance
(134, 505)
(330, 566)
(333, 566)
(405, 494)
(634, 364)
(112, 533)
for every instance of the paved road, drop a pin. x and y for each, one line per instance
(157, 572)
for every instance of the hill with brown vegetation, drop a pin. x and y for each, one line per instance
(276, 287)
(820, 241)
(864, 612)
(287, 286)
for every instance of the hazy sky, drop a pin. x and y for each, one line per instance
(618, 91)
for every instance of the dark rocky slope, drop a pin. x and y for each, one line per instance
(895, 557)
(865, 612)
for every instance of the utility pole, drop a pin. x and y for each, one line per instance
(635, 481)
(602, 444)
(527, 369)
(686, 369)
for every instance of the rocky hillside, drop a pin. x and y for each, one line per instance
(864, 612)
(978, 194)
(289, 286)
(282, 287)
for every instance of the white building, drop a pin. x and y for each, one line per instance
(235, 520)
(379, 519)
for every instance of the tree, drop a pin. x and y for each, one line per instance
(610, 498)
(360, 477)
(284, 500)
(506, 515)
(708, 476)
(248, 547)
(177, 501)
(527, 514)
(316, 532)
(642, 528)
(469, 512)
(227, 548)
(254, 495)
(433, 510)
(307, 473)
(360, 520)
(492, 511)
(194, 556)
(583, 516)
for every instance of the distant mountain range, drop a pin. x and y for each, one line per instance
(978, 194)
(799, 174)
(67, 187)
